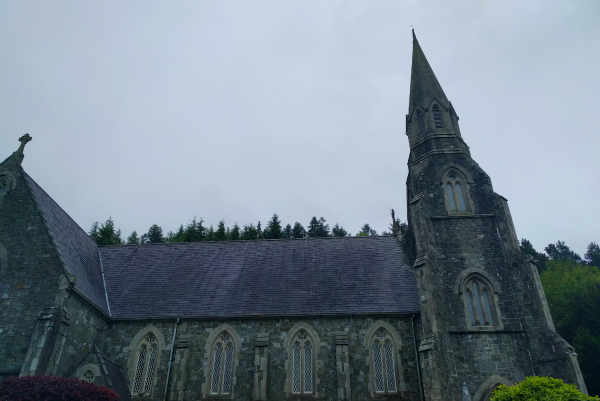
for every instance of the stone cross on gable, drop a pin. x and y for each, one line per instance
(19, 153)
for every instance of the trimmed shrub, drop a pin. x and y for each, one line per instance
(52, 388)
(540, 389)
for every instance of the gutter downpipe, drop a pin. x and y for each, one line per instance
(412, 322)
(170, 360)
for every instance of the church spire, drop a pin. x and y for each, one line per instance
(424, 86)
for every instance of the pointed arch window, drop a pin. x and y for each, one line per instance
(383, 362)
(302, 363)
(421, 121)
(456, 193)
(222, 365)
(479, 298)
(145, 367)
(437, 117)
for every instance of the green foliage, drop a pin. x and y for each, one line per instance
(318, 228)
(540, 259)
(235, 234)
(540, 389)
(592, 256)
(287, 231)
(365, 231)
(133, 238)
(573, 294)
(153, 236)
(249, 232)
(273, 229)
(221, 233)
(338, 231)
(298, 231)
(105, 234)
(560, 251)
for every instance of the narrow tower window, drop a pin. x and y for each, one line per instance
(437, 117)
(480, 307)
(421, 122)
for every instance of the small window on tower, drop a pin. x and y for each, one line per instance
(421, 122)
(480, 302)
(437, 117)
(456, 193)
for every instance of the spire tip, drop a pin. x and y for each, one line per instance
(414, 36)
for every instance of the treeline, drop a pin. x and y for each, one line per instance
(572, 287)
(107, 234)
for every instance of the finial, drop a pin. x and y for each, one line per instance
(19, 153)
(395, 227)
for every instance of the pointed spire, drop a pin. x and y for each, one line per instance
(19, 155)
(424, 86)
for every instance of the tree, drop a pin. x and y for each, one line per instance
(133, 238)
(234, 235)
(298, 231)
(561, 252)
(52, 388)
(592, 256)
(318, 228)
(541, 389)
(574, 301)
(210, 234)
(540, 259)
(154, 235)
(366, 231)
(338, 231)
(221, 233)
(287, 231)
(273, 229)
(105, 234)
(249, 232)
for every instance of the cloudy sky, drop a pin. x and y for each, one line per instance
(156, 112)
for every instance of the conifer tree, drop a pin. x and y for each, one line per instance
(259, 232)
(210, 234)
(221, 232)
(366, 231)
(105, 234)
(318, 228)
(235, 232)
(298, 231)
(287, 231)
(562, 252)
(273, 229)
(133, 238)
(154, 235)
(249, 232)
(592, 256)
(338, 231)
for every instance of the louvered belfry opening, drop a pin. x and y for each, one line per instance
(437, 117)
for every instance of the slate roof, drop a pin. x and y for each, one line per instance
(76, 249)
(319, 276)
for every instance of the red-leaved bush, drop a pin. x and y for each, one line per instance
(52, 388)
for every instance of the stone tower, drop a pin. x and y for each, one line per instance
(484, 315)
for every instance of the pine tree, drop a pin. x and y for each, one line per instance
(338, 231)
(179, 236)
(105, 234)
(94, 232)
(133, 238)
(210, 234)
(154, 235)
(539, 259)
(318, 228)
(562, 252)
(287, 231)
(592, 256)
(298, 231)
(249, 232)
(259, 232)
(235, 232)
(221, 233)
(366, 231)
(273, 229)
(194, 231)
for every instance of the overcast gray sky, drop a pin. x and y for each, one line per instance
(156, 112)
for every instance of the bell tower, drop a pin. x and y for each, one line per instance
(484, 316)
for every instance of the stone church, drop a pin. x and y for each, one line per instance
(447, 309)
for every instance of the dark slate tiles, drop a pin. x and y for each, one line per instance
(79, 253)
(259, 278)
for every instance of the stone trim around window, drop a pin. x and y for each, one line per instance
(80, 373)
(288, 345)
(209, 349)
(370, 337)
(482, 276)
(486, 389)
(132, 362)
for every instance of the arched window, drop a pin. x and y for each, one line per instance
(437, 117)
(383, 362)
(302, 364)
(455, 193)
(479, 298)
(145, 367)
(421, 121)
(222, 365)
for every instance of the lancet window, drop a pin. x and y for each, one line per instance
(455, 191)
(222, 365)
(479, 298)
(302, 363)
(437, 117)
(383, 362)
(145, 367)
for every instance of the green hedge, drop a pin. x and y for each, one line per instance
(540, 389)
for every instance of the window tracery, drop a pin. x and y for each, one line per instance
(383, 362)
(145, 367)
(222, 365)
(302, 364)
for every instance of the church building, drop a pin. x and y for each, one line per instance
(447, 309)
